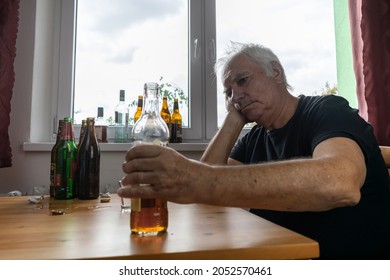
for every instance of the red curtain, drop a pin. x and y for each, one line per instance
(9, 18)
(370, 33)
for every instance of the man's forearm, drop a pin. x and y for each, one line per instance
(218, 150)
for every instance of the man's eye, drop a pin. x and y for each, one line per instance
(242, 81)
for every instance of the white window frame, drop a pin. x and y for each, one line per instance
(202, 81)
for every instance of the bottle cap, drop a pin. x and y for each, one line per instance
(122, 95)
(100, 112)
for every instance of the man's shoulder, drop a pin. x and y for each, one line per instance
(322, 102)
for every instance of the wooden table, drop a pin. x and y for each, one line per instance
(95, 230)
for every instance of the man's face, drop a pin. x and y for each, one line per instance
(249, 90)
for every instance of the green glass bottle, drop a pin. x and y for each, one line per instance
(88, 164)
(53, 159)
(66, 163)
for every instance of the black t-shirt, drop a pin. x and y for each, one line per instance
(357, 232)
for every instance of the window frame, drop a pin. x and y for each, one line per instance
(202, 84)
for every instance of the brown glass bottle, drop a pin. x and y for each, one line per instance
(149, 216)
(176, 123)
(83, 127)
(164, 113)
(88, 164)
(138, 112)
(53, 158)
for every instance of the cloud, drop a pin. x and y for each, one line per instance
(118, 15)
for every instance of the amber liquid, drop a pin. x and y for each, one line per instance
(152, 219)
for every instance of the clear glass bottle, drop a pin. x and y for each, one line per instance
(121, 119)
(101, 126)
(149, 216)
(88, 164)
(176, 123)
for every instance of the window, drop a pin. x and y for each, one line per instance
(179, 41)
(300, 32)
(122, 44)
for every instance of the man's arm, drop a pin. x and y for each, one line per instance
(217, 152)
(331, 178)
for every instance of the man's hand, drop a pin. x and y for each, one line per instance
(159, 172)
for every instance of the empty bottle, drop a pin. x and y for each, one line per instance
(53, 158)
(176, 123)
(66, 163)
(101, 126)
(121, 119)
(88, 164)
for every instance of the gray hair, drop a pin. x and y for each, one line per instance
(260, 54)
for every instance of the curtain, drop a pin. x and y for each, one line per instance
(370, 34)
(9, 17)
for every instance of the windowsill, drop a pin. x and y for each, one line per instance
(114, 147)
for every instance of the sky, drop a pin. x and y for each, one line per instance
(121, 45)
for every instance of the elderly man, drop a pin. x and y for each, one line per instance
(310, 163)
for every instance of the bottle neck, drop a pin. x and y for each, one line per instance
(151, 100)
(176, 106)
(140, 101)
(67, 131)
(90, 127)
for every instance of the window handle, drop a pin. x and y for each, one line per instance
(196, 48)
(212, 52)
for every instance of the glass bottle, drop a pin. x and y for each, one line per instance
(53, 158)
(88, 164)
(176, 123)
(101, 126)
(138, 113)
(165, 114)
(83, 127)
(66, 162)
(149, 216)
(121, 119)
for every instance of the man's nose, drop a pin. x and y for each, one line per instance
(236, 95)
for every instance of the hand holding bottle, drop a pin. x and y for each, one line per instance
(155, 171)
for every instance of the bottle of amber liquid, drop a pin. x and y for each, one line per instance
(176, 123)
(66, 163)
(88, 164)
(138, 113)
(53, 158)
(149, 216)
(165, 114)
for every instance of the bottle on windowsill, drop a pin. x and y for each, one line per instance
(101, 126)
(176, 123)
(121, 120)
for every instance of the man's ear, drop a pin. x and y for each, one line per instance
(277, 71)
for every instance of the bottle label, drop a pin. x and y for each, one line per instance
(52, 173)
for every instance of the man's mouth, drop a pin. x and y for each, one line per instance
(241, 107)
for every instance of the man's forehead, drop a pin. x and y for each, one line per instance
(239, 65)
